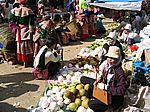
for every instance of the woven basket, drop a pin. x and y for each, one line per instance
(72, 26)
(5, 34)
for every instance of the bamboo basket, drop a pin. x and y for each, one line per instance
(72, 26)
(5, 34)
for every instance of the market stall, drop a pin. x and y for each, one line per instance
(134, 5)
(67, 94)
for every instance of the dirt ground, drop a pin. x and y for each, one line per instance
(17, 89)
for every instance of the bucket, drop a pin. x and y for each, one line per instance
(72, 26)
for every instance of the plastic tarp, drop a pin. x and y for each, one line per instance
(134, 6)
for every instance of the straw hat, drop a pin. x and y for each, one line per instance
(101, 16)
(128, 27)
(113, 52)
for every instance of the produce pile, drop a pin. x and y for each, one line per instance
(66, 94)
(85, 63)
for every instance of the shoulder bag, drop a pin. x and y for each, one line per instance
(101, 95)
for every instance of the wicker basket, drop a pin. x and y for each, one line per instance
(5, 34)
(72, 26)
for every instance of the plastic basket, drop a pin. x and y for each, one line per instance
(72, 26)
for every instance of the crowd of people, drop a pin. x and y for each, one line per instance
(40, 37)
(32, 29)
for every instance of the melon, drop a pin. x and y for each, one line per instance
(73, 107)
(74, 91)
(86, 87)
(78, 101)
(84, 98)
(82, 92)
(85, 103)
(68, 94)
(79, 86)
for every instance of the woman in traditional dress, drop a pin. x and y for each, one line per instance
(42, 30)
(23, 17)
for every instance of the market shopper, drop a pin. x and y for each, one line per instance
(41, 8)
(47, 58)
(2, 14)
(100, 27)
(7, 9)
(112, 79)
(23, 18)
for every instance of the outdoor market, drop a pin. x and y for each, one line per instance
(111, 74)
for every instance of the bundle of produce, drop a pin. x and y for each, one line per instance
(81, 62)
(76, 97)
(92, 50)
(112, 25)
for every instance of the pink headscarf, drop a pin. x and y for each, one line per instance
(22, 1)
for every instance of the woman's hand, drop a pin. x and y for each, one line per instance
(97, 81)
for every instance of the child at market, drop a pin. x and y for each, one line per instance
(47, 60)
(112, 80)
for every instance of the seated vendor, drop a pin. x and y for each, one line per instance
(62, 35)
(112, 80)
(112, 41)
(47, 59)
(128, 36)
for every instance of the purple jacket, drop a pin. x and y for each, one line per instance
(117, 83)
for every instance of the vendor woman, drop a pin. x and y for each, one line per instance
(47, 59)
(112, 80)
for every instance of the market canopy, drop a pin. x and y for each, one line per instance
(135, 5)
(119, 0)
